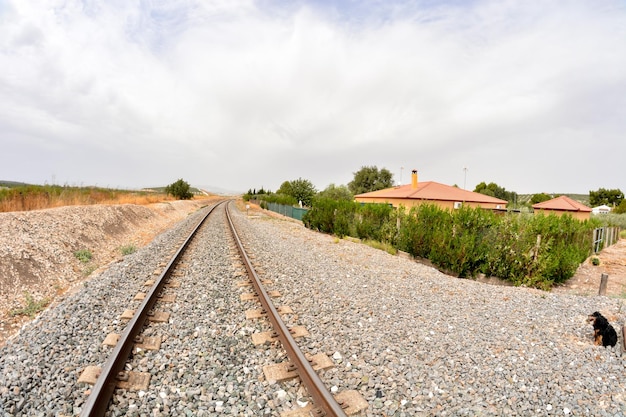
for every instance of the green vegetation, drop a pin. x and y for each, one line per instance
(290, 193)
(31, 308)
(83, 255)
(369, 178)
(128, 249)
(539, 198)
(494, 190)
(527, 200)
(89, 269)
(381, 246)
(620, 208)
(611, 219)
(603, 196)
(300, 190)
(530, 250)
(272, 198)
(180, 190)
(335, 192)
(23, 197)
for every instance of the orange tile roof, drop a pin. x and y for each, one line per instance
(430, 190)
(562, 203)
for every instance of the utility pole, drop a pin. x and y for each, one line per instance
(401, 169)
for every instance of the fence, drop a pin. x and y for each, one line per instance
(285, 210)
(603, 237)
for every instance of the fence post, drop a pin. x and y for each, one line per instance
(604, 280)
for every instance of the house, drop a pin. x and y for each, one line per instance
(444, 196)
(603, 209)
(564, 205)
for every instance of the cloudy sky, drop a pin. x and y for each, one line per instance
(242, 94)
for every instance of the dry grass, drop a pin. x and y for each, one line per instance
(34, 197)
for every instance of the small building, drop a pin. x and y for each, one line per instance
(603, 209)
(564, 205)
(444, 196)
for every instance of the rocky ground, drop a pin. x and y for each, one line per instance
(38, 261)
(40, 250)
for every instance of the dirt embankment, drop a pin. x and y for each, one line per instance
(586, 281)
(40, 250)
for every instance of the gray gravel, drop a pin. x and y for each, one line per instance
(410, 339)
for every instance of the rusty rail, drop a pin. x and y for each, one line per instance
(101, 393)
(322, 398)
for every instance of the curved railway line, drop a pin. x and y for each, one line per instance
(114, 373)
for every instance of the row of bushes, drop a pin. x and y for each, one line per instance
(531, 250)
(263, 199)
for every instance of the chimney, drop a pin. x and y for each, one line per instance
(414, 179)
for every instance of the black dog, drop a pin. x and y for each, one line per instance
(603, 333)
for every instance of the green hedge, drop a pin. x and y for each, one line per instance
(531, 250)
(263, 199)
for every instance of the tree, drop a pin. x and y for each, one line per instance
(609, 197)
(179, 189)
(338, 193)
(494, 190)
(369, 178)
(539, 198)
(301, 190)
(621, 208)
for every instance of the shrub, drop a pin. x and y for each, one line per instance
(128, 249)
(83, 255)
(31, 308)
(180, 190)
(531, 250)
(331, 216)
(372, 220)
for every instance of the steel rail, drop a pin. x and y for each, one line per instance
(102, 391)
(322, 398)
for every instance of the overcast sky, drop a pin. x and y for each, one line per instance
(243, 94)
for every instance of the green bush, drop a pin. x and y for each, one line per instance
(83, 255)
(461, 248)
(531, 250)
(420, 229)
(372, 220)
(128, 249)
(180, 190)
(611, 219)
(331, 216)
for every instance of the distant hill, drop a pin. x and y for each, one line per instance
(581, 198)
(218, 190)
(12, 184)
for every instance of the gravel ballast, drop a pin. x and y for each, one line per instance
(412, 340)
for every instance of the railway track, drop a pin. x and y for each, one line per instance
(137, 338)
(411, 340)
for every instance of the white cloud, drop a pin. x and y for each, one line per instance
(216, 90)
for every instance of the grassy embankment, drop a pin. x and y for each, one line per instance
(24, 197)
